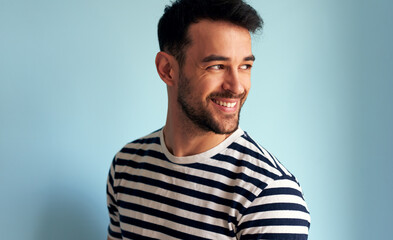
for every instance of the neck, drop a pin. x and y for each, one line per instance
(183, 138)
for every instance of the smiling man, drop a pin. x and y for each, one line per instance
(201, 176)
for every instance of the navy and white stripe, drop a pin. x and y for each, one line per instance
(237, 190)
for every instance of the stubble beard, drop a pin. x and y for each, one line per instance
(200, 116)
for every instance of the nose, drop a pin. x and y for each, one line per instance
(232, 82)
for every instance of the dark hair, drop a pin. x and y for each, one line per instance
(173, 25)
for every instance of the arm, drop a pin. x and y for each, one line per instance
(114, 231)
(279, 212)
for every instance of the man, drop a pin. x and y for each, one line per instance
(200, 176)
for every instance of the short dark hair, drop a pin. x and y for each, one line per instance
(173, 25)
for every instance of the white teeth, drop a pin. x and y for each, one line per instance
(225, 104)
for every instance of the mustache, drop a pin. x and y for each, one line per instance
(227, 95)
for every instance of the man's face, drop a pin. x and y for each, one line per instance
(215, 78)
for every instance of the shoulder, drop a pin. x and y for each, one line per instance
(254, 153)
(279, 201)
(255, 163)
(146, 145)
(151, 138)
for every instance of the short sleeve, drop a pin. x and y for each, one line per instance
(279, 213)
(114, 225)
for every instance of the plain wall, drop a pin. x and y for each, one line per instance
(78, 81)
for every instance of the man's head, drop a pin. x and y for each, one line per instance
(174, 24)
(206, 61)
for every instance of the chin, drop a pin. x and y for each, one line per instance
(220, 127)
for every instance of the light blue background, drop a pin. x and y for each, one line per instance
(78, 81)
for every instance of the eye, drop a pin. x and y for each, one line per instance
(246, 66)
(216, 67)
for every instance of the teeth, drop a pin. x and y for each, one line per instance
(225, 104)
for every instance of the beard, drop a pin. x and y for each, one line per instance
(199, 114)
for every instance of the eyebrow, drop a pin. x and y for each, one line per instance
(250, 58)
(213, 57)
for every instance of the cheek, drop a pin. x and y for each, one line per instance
(208, 85)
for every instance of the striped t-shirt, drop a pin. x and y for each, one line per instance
(236, 190)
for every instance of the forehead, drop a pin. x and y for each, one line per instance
(219, 38)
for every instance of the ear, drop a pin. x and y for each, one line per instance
(166, 67)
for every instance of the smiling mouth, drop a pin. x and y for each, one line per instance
(225, 104)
